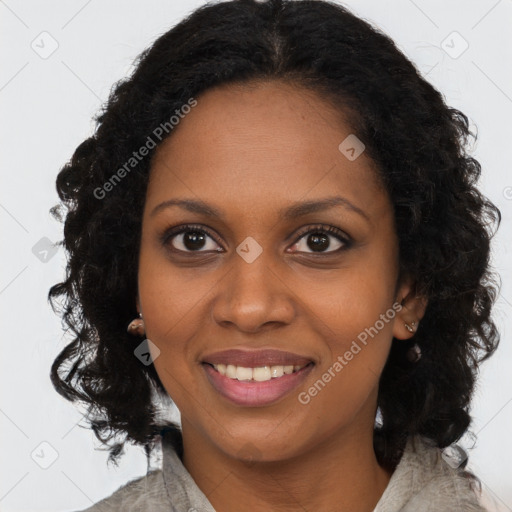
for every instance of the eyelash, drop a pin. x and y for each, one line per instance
(319, 228)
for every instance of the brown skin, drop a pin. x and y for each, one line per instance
(250, 151)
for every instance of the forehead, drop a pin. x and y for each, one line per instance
(261, 143)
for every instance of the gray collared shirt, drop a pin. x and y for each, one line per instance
(422, 482)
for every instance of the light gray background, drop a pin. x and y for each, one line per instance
(46, 109)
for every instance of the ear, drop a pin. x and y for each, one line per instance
(413, 308)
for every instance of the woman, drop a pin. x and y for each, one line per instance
(276, 225)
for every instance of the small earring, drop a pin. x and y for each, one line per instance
(136, 326)
(410, 328)
(414, 353)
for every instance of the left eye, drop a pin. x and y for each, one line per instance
(319, 240)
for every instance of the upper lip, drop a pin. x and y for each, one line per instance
(256, 358)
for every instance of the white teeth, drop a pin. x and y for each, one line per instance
(230, 371)
(243, 373)
(276, 371)
(259, 374)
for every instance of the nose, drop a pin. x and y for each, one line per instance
(252, 296)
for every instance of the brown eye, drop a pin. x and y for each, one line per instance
(321, 240)
(190, 239)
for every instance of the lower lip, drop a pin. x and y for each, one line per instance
(252, 393)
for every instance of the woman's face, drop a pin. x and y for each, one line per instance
(255, 280)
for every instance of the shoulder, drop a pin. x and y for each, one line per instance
(441, 483)
(146, 494)
(425, 481)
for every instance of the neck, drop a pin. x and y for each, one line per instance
(340, 473)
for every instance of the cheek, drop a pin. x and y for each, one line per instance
(356, 343)
(350, 300)
(173, 305)
(352, 313)
(170, 296)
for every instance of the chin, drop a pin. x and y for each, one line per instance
(261, 449)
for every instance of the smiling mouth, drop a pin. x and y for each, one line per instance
(257, 386)
(256, 374)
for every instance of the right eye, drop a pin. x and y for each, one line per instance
(190, 239)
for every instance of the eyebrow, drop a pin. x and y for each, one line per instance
(291, 212)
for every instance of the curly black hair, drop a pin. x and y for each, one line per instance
(418, 143)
